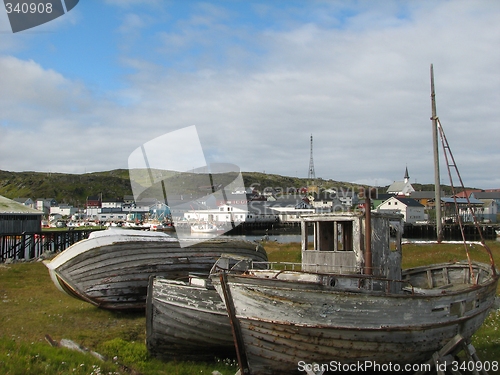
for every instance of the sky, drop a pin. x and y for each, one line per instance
(257, 78)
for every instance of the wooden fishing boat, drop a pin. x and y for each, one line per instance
(340, 308)
(352, 303)
(111, 268)
(187, 320)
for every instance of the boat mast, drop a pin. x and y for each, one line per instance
(437, 184)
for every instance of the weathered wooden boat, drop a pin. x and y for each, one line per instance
(352, 303)
(186, 319)
(111, 268)
(340, 308)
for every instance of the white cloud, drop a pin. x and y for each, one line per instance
(359, 84)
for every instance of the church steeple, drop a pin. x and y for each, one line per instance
(407, 176)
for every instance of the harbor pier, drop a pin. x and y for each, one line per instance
(26, 246)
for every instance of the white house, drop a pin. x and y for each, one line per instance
(289, 215)
(489, 211)
(112, 216)
(222, 214)
(326, 202)
(283, 210)
(63, 210)
(44, 204)
(115, 204)
(411, 210)
(491, 201)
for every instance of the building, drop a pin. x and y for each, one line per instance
(93, 201)
(401, 188)
(493, 194)
(450, 212)
(281, 210)
(491, 201)
(44, 205)
(412, 211)
(116, 217)
(222, 214)
(63, 210)
(128, 200)
(328, 202)
(489, 211)
(112, 204)
(28, 202)
(285, 210)
(16, 218)
(425, 198)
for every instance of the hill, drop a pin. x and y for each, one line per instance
(74, 189)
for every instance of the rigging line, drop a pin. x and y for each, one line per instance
(446, 146)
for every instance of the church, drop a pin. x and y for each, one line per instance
(401, 188)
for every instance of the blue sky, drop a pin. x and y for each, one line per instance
(257, 78)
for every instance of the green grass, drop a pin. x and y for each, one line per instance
(421, 254)
(19, 357)
(31, 308)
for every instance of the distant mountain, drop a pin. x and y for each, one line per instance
(74, 189)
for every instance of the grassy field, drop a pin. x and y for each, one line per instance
(31, 308)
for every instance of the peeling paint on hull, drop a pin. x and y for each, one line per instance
(112, 269)
(186, 322)
(282, 322)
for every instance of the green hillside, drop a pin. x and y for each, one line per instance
(73, 189)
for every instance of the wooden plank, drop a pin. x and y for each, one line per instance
(430, 282)
(446, 279)
(235, 326)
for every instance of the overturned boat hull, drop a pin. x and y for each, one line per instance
(284, 319)
(111, 268)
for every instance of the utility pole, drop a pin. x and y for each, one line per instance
(311, 175)
(437, 183)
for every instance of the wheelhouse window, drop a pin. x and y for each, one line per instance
(334, 236)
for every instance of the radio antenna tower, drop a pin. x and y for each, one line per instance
(311, 175)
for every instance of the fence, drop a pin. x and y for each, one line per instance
(32, 245)
(450, 231)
